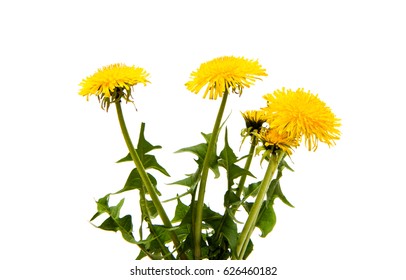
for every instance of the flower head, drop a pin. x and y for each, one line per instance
(254, 119)
(274, 140)
(112, 82)
(224, 73)
(302, 114)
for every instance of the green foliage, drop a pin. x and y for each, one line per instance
(200, 151)
(266, 219)
(114, 222)
(153, 213)
(252, 189)
(134, 182)
(267, 216)
(228, 160)
(220, 234)
(180, 212)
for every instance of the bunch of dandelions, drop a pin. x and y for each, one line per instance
(289, 118)
(196, 231)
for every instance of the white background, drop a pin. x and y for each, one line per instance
(58, 151)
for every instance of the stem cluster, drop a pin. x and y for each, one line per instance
(225, 241)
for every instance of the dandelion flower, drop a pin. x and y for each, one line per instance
(109, 82)
(254, 119)
(302, 115)
(224, 73)
(273, 140)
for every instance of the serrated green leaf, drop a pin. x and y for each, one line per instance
(141, 255)
(153, 213)
(278, 193)
(270, 194)
(125, 159)
(228, 160)
(207, 137)
(153, 246)
(109, 224)
(200, 151)
(126, 228)
(227, 154)
(95, 216)
(284, 164)
(275, 187)
(229, 231)
(161, 235)
(114, 222)
(247, 206)
(144, 253)
(144, 146)
(235, 171)
(150, 162)
(102, 206)
(187, 219)
(252, 189)
(190, 181)
(115, 210)
(266, 219)
(230, 198)
(180, 211)
(210, 217)
(134, 182)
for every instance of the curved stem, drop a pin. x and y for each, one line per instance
(205, 171)
(144, 176)
(249, 225)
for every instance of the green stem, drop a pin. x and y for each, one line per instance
(147, 217)
(249, 225)
(205, 171)
(254, 142)
(251, 229)
(246, 242)
(144, 176)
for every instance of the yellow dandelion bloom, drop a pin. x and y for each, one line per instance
(225, 73)
(112, 80)
(302, 114)
(254, 119)
(273, 140)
